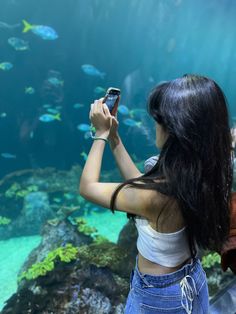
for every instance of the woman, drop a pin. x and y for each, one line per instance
(182, 203)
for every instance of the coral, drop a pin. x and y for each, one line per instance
(16, 191)
(98, 239)
(103, 254)
(83, 227)
(4, 220)
(65, 254)
(210, 260)
(12, 190)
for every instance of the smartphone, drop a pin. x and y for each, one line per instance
(111, 99)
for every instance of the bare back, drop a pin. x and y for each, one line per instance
(170, 220)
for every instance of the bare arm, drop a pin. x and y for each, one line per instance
(127, 167)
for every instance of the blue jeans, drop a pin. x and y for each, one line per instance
(183, 291)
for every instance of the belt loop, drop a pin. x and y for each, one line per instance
(147, 285)
(142, 276)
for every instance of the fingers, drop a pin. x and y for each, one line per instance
(115, 120)
(97, 106)
(106, 110)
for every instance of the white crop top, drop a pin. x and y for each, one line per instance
(166, 249)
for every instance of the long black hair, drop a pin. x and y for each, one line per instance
(196, 159)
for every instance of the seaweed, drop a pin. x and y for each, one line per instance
(64, 254)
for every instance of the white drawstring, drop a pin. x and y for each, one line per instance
(188, 293)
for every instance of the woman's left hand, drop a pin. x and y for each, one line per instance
(100, 116)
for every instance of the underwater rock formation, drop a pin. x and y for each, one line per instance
(30, 197)
(86, 276)
(128, 237)
(36, 210)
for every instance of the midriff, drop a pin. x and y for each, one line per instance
(148, 267)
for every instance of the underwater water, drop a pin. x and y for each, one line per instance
(56, 58)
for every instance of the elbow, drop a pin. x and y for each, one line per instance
(83, 191)
(80, 191)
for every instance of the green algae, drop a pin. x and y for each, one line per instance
(64, 254)
(210, 260)
(83, 227)
(102, 255)
(4, 220)
(99, 239)
(16, 191)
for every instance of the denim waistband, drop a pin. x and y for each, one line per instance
(183, 276)
(170, 278)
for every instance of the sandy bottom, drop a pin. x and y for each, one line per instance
(14, 252)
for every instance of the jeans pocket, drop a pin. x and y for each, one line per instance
(159, 300)
(149, 309)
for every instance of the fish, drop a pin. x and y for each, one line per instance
(137, 113)
(47, 117)
(87, 135)
(89, 69)
(55, 81)
(47, 106)
(8, 155)
(84, 155)
(77, 106)
(69, 196)
(45, 32)
(123, 110)
(57, 199)
(3, 115)
(96, 209)
(29, 90)
(131, 122)
(9, 26)
(84, 127)
(99, 90)
(6, 66)
(52, 110)
(18, 44)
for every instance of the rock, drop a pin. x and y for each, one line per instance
(36, 210)
(128, 238)
(53, 237)
(92, 283)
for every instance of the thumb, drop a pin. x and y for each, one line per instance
(115, 120)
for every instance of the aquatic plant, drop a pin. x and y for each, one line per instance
(210, 260)
(12, 190)
(4, 220)
(16, 190)
(21, 193)
(98, 239)
(83, 227)
(103, 254)
(64, 254)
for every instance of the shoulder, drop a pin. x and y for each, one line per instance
(158, 202)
